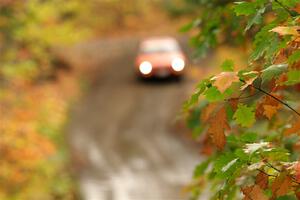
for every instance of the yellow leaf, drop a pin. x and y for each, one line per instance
(286, 30)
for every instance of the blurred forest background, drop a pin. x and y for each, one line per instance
(37, 86)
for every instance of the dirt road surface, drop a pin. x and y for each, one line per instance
(122, 132)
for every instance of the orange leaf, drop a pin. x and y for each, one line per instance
(207, 111)
(297, 171)
(262, 180)
(294, 129)
(254, 193)
(217, 126)
(269, 110)
(281, 185)
(234, 103)
(224, 80)
(268, 106)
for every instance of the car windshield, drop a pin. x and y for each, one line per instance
(159, 47)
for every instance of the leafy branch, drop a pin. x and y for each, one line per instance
(272, 96)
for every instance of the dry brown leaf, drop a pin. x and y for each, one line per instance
(286, 30)
(207, 111)
(268, 106)
(262, 180)
(224, 80)
(269, 110)
(234, 103)
(294, 129)
(206, 146)
(281, 185)
(217, 126)
(254, 192)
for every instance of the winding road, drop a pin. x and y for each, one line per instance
(122, 132)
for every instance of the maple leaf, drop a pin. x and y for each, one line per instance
(224, 80)
(295, 128)
(250, 77)
(262, 180)
(281, 185)
(244, 115)
(268, 106)
(217, 126)
(269, 110)
(254, 192)
(207, 111)
(286, 30)
(297, 171)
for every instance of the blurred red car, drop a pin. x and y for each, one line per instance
(160, 57)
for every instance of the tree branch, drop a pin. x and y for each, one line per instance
(270, 95)
(286, 9)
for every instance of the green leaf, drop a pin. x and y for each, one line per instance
(264, 42)
(200, 168)
(289, 3)
(194, 98)
(293, 77)
(191, 25)
(226, 165)
(227, 65)
(273, 71)
(295, 57)
(212, 94)
(255, 19)
(244, 115)
(249, 137)
(244, 8)
(240, 153)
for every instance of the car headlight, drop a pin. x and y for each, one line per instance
(178, 64)
(145, 67)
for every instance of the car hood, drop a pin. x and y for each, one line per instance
(158, 59)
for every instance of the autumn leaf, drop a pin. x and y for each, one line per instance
(281, 185)
(254, 193)
(224, 80)
(217, 126)
(262, 180)
(297, 171)
(268, 106)
(286, 30)
(207, 111)
(295, 128)
(249, 77)
(270, 111)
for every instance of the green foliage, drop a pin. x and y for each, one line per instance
(227, 66)
(273, 71)
(244, 115)
(256, 154)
